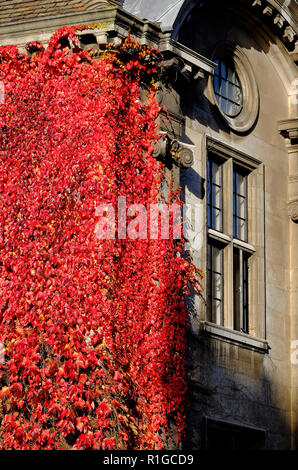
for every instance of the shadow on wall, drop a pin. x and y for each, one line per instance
(233, 402)
(207, 27)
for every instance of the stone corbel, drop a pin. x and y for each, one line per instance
(279, 14)
(293, 210)
(182, 64)
(289, 130)
(172, 149)
(174, 71)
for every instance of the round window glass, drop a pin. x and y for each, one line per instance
(227, 88)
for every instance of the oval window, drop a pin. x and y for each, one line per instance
(227, 88)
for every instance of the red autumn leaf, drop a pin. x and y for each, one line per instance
(16, 390)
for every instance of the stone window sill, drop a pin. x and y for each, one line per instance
(235, 337)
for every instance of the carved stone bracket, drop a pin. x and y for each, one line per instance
(289, 130)
(293, 210)
(279, 16)
(181, 63)
(171, 149)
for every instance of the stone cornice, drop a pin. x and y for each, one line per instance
(111, 25)
(192, 60)
(279, 18)
(289, 128)
(104, 19)
(278, 15)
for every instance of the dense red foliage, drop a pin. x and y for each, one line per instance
(94, 330)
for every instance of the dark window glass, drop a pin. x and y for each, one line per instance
(226, 436)
(227, 88)
(239, 204)
(245, 294)
(240, 279)
(215, 284)
(214, 194)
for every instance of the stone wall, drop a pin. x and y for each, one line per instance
(227, 381)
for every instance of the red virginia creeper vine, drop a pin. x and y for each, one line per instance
(94, 330)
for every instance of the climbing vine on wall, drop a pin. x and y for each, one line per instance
(93, 329)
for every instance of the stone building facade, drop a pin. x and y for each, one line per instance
(231, 90)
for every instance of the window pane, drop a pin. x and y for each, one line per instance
(216, 277)
(223, 89)
(217, 196)
(226, 436)
(223, 70)
(236, 290)
(232, 108)
(216, 219)
(231, 95)
(238, 96)
(241, 187)
(209, 215)
(217, 259)
(241, 207)
(216, 84)
(215, 173)
(240, 279)
(227, 87)
(231, 75)
(239, 204)
(214, 194)
(242, 229)
(245, 325)
(217, 306)
(224, 105)
(215, 284)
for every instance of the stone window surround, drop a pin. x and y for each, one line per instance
(256, 340)
(249, 112)
(289, 130)
(227, 425)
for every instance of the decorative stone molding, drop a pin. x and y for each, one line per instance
(235, 337)
(278, 20)
(279, 15)
(293, 210)
(190, 62)
(248, 114)
(172, 149)
(289, 130)
(181, 154)
(268, 11)
(161, 148)
(109, 24)
(180, 64)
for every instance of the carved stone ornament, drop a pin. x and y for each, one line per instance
(293, 210)
(160, 148)
(289, 130)
(180, 153)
